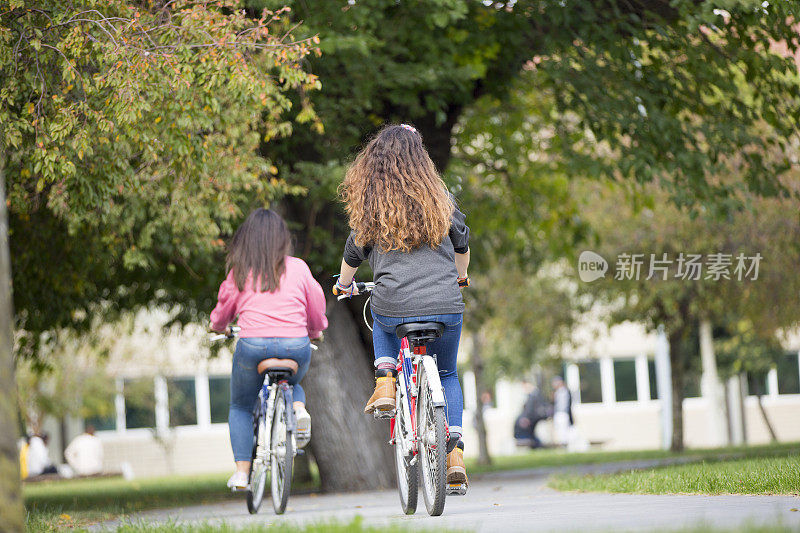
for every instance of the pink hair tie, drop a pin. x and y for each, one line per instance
(409, 128)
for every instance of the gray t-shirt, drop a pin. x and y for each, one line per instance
(421, 282)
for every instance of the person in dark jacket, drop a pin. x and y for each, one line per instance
(534, 410)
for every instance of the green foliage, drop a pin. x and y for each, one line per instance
(522, 317)
(743, 348)
(68, 379)
(134, 151)
(130, 136)
(766, 227)
(527, 97)
(508, 175)
(691, 95)
(384, 61)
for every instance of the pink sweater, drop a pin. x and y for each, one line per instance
(296, 309)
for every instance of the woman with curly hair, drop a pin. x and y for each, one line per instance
(406, 224)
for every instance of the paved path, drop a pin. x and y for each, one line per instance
(510, 502)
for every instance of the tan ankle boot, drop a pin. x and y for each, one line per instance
(456, 470)
(383, 397)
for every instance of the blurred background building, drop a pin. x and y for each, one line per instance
(170, 409)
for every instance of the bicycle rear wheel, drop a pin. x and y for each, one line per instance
(407, 473)
(432, 447)
(258, 466)
(281, 455)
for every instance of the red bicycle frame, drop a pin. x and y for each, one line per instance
(409, 369)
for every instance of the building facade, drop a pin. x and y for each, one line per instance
(171, 406)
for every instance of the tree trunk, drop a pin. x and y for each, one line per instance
(742, 382)
(728, 415)
(437, 137)
(11, 512)
(351, 448)
(476, 358)
(759, 394)
(677, 347)
(772, 436)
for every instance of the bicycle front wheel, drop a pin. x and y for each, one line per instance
(282, 455)
(258, 466)
(432, 447)
(407, 473)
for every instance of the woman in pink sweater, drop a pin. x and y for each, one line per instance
(279, 306)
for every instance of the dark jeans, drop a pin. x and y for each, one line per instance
(387, 346)
(246, 382)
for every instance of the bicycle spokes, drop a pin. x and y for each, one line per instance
(431, 434)
(281, 452)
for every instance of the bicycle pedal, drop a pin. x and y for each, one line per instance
(384, 414)
(456, 489)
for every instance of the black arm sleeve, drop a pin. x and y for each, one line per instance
(459, 232)
(355, 255)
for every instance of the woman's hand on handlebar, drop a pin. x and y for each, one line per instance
(229, 333)
(225, 331)
(340, 290)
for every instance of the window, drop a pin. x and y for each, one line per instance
(591, 389)
(757, 383)
(101, 423)
(182, 402)
(99, 408)
(788, 374)
(140, 403)
(625, 380)
(691, 386)
(219, 389)
(651, 371)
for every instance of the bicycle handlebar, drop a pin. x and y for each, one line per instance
(235, 333)
(365, 286)
(368, 286)
(222, 336)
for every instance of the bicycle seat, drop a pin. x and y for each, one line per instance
(278, 367)
(420, 332)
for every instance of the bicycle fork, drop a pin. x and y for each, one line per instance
(291, 420)
(265, 433)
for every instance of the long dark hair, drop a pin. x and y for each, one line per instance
(259, 248)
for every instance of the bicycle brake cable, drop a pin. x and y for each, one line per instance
(364, 313)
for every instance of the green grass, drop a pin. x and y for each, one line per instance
(555, 458)
(64, 503)
(355, 526)
(746, 528)
(760, 475)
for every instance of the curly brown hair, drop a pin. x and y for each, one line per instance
(393, 194)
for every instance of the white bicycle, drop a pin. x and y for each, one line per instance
(274, 433)
(418, 423)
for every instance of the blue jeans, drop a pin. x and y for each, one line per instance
(246, 383)
(387, 346)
